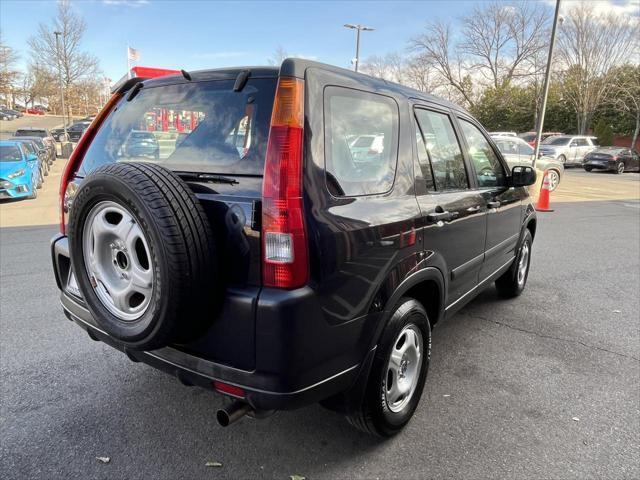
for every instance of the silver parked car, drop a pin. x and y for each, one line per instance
(518, 152)
(568, 149)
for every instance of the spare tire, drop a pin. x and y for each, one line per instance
(144, 255)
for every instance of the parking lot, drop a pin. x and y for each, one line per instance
(542, 386)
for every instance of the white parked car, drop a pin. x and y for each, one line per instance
(518, 152)
(568, 149)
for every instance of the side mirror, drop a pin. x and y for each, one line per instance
(522, 176)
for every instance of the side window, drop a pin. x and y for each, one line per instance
(488, 168)
(422, 144)
(582, 142)
(524, 149)
(361, 142)
(443, 150)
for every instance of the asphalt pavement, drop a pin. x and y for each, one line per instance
(545, 386)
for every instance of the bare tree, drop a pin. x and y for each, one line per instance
(390, 67)
(75, 63)
(38, 83)
(436, 48)
(278, 56)
(590, 45)
(420, 75)
(498, 47)
(9, 75)
(625, 96)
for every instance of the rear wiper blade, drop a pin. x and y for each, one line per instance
(207, 177)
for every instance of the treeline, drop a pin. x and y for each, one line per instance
(48, 58)
(493, 63)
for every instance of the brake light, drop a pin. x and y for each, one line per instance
(72, 165)
(229, 389)
(284, 242)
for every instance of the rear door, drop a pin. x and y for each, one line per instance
(503, 204)
(453, 213)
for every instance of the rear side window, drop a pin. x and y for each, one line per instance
(192, 127)
(443, 149)
(361, 142)
(525, 149)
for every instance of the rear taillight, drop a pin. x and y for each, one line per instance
(284, 242)
(76, 157)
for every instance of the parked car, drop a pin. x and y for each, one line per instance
(31, 148)
(35, 111)
(13, 112)
(5, 116)
(530, 137)
(141, 144)
(9, 114)
(19, 171)
(43, 149)
(289, 275)
(503, 134)
(518, 152)
(74, 132)
(568, 149)
(613, 159)
(43, 133)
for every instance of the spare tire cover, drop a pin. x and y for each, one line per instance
(144, 255)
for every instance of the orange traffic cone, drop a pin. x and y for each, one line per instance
(543, 198)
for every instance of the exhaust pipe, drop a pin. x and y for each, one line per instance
(232, 413)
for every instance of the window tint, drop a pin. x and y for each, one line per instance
(582, 142)
(507, 147)
(443, 149)
(196, 126)
(10, 153)
(488, 168)
(361, 142)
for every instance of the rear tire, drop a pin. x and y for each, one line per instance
(144, 256)
(395, 385)
(513, 281)
(562, 159)
(619, 168)
(588, 169)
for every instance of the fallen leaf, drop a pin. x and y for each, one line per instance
(103, 459)
(446, 395)
(213, 464)
(575, 419)
(617, 311)
(296, 477)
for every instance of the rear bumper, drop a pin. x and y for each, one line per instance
(297, 364)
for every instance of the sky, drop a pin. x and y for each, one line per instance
(204, 34)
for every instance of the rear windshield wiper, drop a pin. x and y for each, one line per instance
(206, 177)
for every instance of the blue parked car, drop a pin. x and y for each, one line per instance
(19, 171)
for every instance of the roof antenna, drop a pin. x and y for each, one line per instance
(186, 75)
(241, 80)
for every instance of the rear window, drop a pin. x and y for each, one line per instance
(191, 127)
(10, 153)
(31, 133)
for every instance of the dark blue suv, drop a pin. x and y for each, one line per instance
(261, 254)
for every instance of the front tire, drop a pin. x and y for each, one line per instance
(554, 179)
(563, 160)
(398, 372)
(588, 169)
(513, 281)
(619, 168)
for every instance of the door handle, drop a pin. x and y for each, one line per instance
(494, 204)
(442, 216)
(473, 209)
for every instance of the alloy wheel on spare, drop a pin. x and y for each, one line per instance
(118, 260)
(403, 368)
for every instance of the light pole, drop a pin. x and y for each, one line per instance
(547, 80)
(358, 28)
(64, 113)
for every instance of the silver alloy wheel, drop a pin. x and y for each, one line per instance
(523, 264)
(621, 167)
(554, 180)
(118, 260)
(403, 368)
